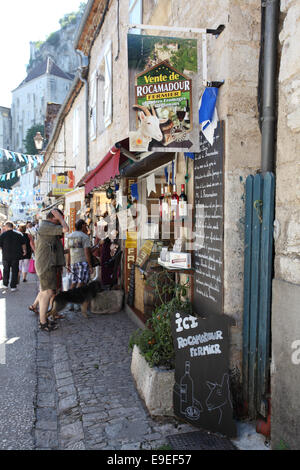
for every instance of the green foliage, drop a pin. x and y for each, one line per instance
(185, 59)
(29, 142)
(7, 166)
(66, 20)
(53, 38)
(71, 18)
(282, 445)
(155, 341)
(143, 48)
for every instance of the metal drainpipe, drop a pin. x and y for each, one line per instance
(269, 85)
(87, 154)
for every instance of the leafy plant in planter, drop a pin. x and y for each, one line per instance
(155, 341)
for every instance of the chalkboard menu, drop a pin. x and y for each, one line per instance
(208, 252)
(201, 394)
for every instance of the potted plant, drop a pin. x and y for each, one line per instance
(153, 358)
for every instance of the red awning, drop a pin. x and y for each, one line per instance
(107, 168)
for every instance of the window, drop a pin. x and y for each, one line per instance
(135, 14)
(93, 106)
(101, 94)
(108, 86)
(52, 87)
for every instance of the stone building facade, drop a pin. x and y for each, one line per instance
(285, 414)
(46, 83)
(233, 57)
(5, 128)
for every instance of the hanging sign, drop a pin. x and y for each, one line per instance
(72, 219)
(201, 393)
(163, 88)
(62, 183)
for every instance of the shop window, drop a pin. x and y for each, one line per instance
(135, 14)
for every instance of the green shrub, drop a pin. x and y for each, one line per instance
(155, 341)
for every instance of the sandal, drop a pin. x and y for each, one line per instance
(33, 309)
(58, 317)
(48, 326)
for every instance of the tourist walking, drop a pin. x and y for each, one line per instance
(24, 262)
(49, 258)
(79, 255)
(13, 249)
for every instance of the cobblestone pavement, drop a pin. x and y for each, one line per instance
(86, 397)
(17, 367)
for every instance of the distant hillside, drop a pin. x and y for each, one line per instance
(59, 44)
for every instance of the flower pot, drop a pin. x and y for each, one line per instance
(154, 385)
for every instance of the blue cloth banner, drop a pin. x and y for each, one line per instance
(166, 174)
(189, 155)
(134, 191)
(207, 107)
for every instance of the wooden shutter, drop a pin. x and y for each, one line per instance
(108, 87)
(93, 106)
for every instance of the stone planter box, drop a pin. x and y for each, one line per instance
(108, 301)
(154, 384)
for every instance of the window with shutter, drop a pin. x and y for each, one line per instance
(104, 89)
(76, 131)
(93, 106)
(108, 87)
(135, 14)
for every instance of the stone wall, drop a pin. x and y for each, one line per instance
(285, 431)
(5, 128)
(232, 57)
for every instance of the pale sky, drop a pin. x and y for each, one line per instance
(22, 21)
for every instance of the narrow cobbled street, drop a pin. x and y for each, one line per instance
(72, 388)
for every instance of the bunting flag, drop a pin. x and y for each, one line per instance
(32, 162)
(151, 184)
(10, 155)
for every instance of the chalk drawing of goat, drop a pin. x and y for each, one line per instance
(219, 396)
(149, 129)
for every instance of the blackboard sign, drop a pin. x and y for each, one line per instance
(201, 393)
(208, 252)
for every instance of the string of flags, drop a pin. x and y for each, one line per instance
(32, 161)
(19, 196)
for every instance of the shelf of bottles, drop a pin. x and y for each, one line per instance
(171, 206)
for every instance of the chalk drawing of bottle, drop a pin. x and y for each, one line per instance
(187, 400)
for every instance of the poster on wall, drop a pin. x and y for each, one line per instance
(201, 394)
(62, 183)
(163, 94)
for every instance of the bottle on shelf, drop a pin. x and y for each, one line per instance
(183, 210)
(166, 205)
(161, 198)
(174, 203)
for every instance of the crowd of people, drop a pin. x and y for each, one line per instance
(51, 248)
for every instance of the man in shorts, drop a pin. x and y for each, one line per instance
(49, 257)
(79, 255)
